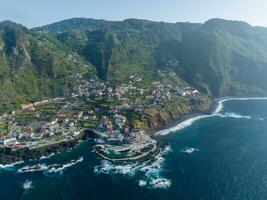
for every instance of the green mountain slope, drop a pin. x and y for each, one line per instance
(218, 57)
(229, 57)
(33, 66)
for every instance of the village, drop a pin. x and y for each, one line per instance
(114, 115)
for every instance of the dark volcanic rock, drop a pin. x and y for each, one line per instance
(9, 155)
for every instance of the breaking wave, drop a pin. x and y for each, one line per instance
(27, 185)
(182, 125)
(189, 150)
(155, 183)
(33, 168)
(49, 170)
(216, 113)
(58, 169)
(10, 166)
(150, 172)
(233, 115)
(47, 157)
(220, 103)
(142, 183)
(43, 157)
(107, 167)
(153, 172)
(161, 183)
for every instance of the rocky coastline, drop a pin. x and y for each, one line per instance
(9, 155)
(183, 117)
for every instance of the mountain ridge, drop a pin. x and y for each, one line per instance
(140, 19)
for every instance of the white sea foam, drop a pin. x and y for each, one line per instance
(219, 106)
(217, 113)
(189, 150)
(153, 172)
(142, 183)
(107, 167)
(46, 157)
(49, 170)
(155, 167)
(161, 183)
(27, 185)
(150, 171)
(233, 115)
(33, 168)
(182, 125)
(43, 157)
(220, 103)
(9, 166)
(55, 169)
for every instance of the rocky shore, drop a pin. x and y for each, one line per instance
(10, 155)
(183, 117)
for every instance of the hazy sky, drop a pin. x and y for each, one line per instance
(40, 12)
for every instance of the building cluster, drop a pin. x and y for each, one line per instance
(116, 130)
(18, 135)
(130, 96)
(157, 92)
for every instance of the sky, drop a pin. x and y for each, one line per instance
(32, 13)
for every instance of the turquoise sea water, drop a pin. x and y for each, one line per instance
(223, 156)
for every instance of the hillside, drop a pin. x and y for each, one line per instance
(229, 57)
(33, 66)
(219, 57)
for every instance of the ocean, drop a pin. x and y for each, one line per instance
(219, 156)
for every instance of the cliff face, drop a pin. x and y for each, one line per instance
(157, 122)
(163, 118)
